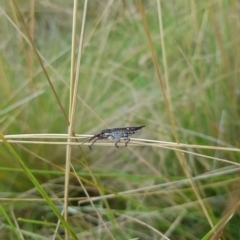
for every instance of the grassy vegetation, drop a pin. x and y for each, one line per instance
(179, 176)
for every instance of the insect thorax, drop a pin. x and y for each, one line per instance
(117, 133)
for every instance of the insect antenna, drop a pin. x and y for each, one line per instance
(90, 147)
(88, 139)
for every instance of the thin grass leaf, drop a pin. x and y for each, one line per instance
(12, 226)
(38, 186)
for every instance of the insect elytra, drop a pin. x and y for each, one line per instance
(116, 134)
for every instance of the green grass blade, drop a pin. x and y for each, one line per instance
(38, 186)
(12, 226)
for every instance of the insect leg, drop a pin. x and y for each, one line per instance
(116, 142)
(126, 143)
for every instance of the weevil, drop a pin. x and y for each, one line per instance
(116, 134)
